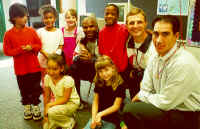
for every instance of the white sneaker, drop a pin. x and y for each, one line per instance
(27, 112)
(36, 113)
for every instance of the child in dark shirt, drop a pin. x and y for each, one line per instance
(109, 93)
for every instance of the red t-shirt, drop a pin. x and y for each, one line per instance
(112, 42)
(24, 61)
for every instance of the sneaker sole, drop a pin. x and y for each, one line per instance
(28, 117)
(37, 118)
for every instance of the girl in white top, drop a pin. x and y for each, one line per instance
(51, 37)
(59, 113)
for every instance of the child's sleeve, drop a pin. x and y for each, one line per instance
(120, 91)
(37, 44)
(9, 49)
(69, 82)
(61, 38)
(46, 81)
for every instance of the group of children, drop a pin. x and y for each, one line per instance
(46, 54)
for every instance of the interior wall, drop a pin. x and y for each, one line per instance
(66, 4)
(195, 51)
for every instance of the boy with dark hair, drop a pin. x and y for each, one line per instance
(112, 38)
(23, 44)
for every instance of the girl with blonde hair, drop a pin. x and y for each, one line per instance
(109, 94)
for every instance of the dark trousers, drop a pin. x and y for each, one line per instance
(30, 89)
(132, 83)
(82, 71)
(113, 118)
(140, 115)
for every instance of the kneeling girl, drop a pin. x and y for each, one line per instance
(109, 93)
(60, 112)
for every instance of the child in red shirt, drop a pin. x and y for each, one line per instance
(23, 44)
(112, 38)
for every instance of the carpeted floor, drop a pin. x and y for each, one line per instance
(11, 110)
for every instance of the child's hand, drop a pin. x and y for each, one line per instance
(124, 127)
(45, 55)
(46, 110)
(135, 99)
(27, 47)
(45, 119)
(98, 118)
(93, 125)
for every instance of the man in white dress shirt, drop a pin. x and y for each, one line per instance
(169, 96)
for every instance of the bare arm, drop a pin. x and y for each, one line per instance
(135, 98)
(47, 92)
(45, 54)
(115, 107)
(95, 106)
(62, 100)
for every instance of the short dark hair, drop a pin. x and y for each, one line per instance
(17, 10)
(48, 9)
(90, 18)
(115, 6)
(169, 19)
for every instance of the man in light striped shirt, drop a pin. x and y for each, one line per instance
(169, 97)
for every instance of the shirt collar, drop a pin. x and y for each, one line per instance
(112, 26)
(165, 57)
(19, 30)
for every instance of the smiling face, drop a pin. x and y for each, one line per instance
(136, 25)
(54, 70)
(106, 73)
(110, 15)
(21, 21)
(163, 37)
(90, 29)
(49, 19)
(70, 19)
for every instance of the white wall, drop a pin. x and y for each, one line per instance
(195, 51)
(66, 4)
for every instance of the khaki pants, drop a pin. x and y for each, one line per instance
(61, 116)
